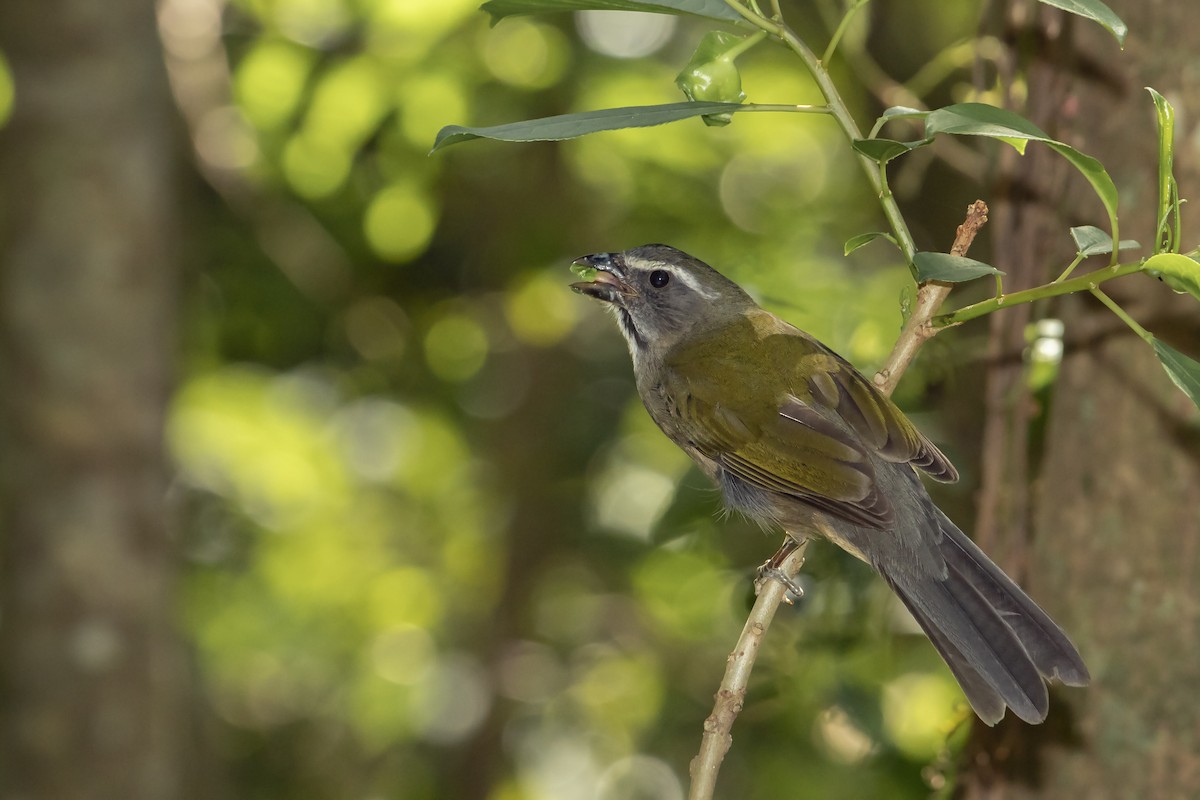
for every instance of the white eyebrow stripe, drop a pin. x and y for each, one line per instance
(687, 278)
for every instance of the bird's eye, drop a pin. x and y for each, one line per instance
(659, 278)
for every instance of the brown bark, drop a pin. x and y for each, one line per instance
(89, 660)
(1114, 538)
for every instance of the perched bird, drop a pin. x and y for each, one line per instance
(794, 436)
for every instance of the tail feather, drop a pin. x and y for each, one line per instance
(978, 646)
(1048, 647)
(997, 642)
(988, 704)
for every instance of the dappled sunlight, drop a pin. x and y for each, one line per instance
(920, 710)
(435, 520)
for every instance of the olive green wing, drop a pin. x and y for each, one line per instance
(820, 439)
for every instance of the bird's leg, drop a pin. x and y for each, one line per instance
(770, 571)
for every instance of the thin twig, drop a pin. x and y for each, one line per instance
(917, 329)
(731, 694)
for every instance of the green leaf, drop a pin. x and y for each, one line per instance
(1184, 371)
(1166, 238)
(951, 269)
(1179, 272)
(713, 9)
(979, 119)
(855, 242)
(901, 111)
(1091, 241)
(895, 112)
(884, 150)
(1097, 12)
(569, 126)
(1096, 175)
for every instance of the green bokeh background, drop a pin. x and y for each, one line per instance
(435, 548)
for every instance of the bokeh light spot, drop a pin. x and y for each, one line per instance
(405, 596)
(429, 101)
(918, 713)
(349, 102)
(621, 692)
(311, 21)
(528, 55)
(399, 222)
(270, 81)
(624, 34)
(640, 778)
(456, 347)
(7, 91)
(315, 168)
(538, 311)
(530, 672)
(453, 701)
(684, 592)
(629, 498)
(224, 140)
(404, 655)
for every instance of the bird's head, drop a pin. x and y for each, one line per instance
(661, 295)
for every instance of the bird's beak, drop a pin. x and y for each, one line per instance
(608, 282)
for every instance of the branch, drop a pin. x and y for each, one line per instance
(918, 328)
(731, 694)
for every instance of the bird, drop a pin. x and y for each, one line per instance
(796, 438)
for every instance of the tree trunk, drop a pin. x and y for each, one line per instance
(1114, 548)
(90, 665)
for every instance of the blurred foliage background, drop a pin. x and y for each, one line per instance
(435, 548)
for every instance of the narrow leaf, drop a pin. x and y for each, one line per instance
(1091, 241)
(1179, 272)
(979, 119)
(713, 9)
(569, 126)
(1097, 12)
(1184, 371)
(855, 242)
(952, 269)
(1097, 176)
(884, 150)
(1166, 238)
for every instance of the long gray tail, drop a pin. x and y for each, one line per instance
(997, 642)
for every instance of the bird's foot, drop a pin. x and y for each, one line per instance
(770, 571)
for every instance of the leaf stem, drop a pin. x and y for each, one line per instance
(744, 45)
(1120, 312)
(1070, 268)
(1086, 282)
(840, 31)
(801, 109)
(850, 128)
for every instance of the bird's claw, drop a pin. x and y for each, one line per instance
(769, 571)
